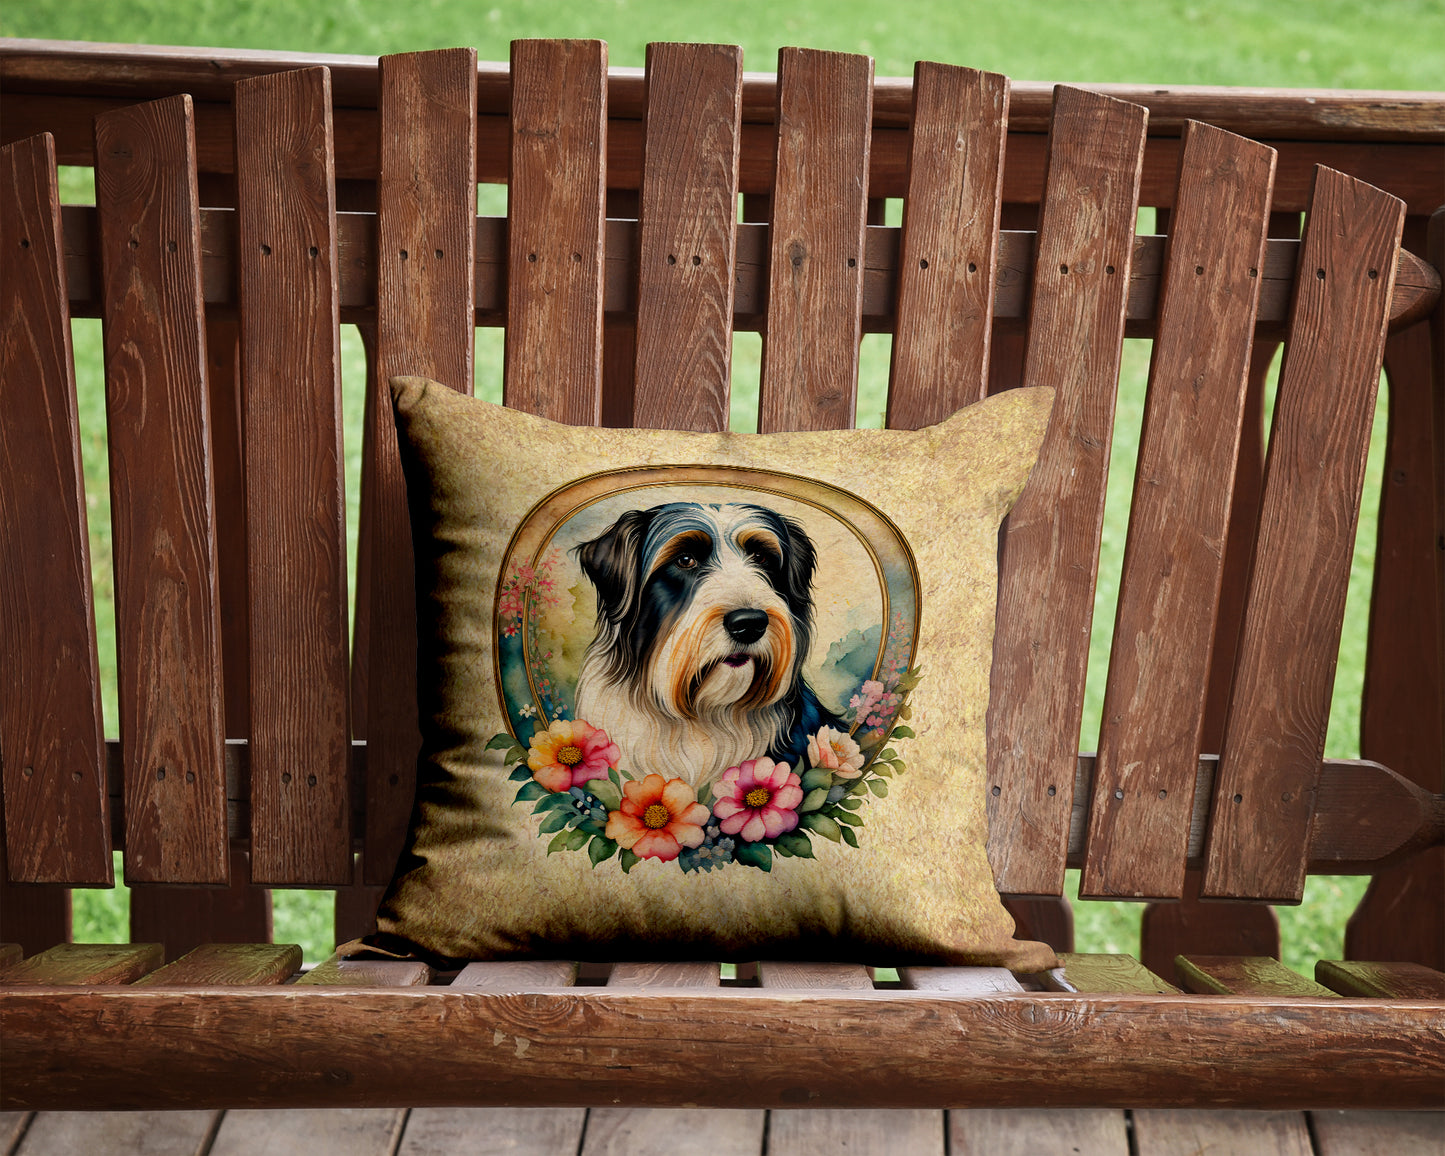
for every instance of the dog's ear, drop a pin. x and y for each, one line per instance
(799, 561)
(610, 561)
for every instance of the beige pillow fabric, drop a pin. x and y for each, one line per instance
(705, 695)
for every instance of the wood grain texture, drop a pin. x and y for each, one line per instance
(228, 963)
(959, 980)
(1400, 914)
(1088, 972)
(13, 1125)
(664, 975)
(947, 267)
(555, 206)
(517, 974)
(70, 964)
(1191, 926)
(458, 1047)
(1243, 975)
(57, 825)
(1343, 1133)
(10, 953)
(167, 618)
(875, 1132)
(426, 217)
(1029, 1131)
(791, 975)
(34, 915)
(295, 500)
(1275, 731)
(337, 1132)
(676, 1131)
(687, 237)
(816, 259)
(1051, 549)
(183, 918)
(121, 1133)
(484, 1131)
(336, 972)
(1169, 1132)
(1154, 700)
(1384, 980)
(355, 911)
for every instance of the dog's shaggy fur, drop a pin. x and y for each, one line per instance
(705, 615)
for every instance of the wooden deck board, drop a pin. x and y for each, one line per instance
(316, 1132)
(1173, 1131)
(120, 1133)
(1027, 1131)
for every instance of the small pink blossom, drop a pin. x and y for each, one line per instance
(835, 751)
(758, 799)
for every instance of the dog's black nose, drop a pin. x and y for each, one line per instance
(745, 626)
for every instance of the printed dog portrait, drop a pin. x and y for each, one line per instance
(705, 618)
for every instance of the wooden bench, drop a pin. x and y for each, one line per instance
(247, 203)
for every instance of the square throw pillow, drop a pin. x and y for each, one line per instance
(711, 696)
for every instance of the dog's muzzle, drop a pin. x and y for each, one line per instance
(745, 626)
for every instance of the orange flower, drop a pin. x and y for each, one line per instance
(568, 754)
(658, 818)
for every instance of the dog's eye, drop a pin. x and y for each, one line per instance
(685, 562)
(763, 557)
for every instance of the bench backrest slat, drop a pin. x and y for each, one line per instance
(56, 814)
(426, 229)
(1051, 549)
(168, 639)
(1173, 561)
(1275, 731)
(286, 230)
(819, 212)
(947, 265)
(556, 229)
(687, 237)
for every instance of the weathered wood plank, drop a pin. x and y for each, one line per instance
(168, 630)
(664, 975)
(57, 824)
(336, 972)
(1051, 549)
(228, 963)
(183, 918)
(118, 1047)
(1087, 972)
(517, 974)
(1190, 925)
(10, 953)
(295, 499)
(947, 265)
(333, 1132)
(790, 975)
(687, 237)
(1383, 980)
(1029, 1131)
(515, 1131)
(426, 218)
(85, 963)
(816, 260)
(12, 1127)
(33, 915)
(1243, 975)
(555, 207)
(679, 1131)
(959, 980)
(121, 1133)
(868, 1132)
(1154, 701)
(1275, 731)
(1172, 1131)
(1344, 1133)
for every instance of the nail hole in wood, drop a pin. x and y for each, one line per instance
(577, 257)
(1118, 793)
(437, 253)
(160, 774)
(1254, 272)
(1109, 269)
(310, 780)
(76, 775)
(1239, 798)
(995, 792)
(1374, 273)
(532, 257)
(170, 246)
(972, 268)
(923, 264)
(404, 254)
(285, 776)
(190, 776)
(1053, 791)
(25, 242)
(265, 250)
(1063, 268)
(134, 244)
(313, 251)
(28, 772)
(1163, 794)
(696, 260)
(852, 262)
(672, 259)
(1199, 270)
(1319, 274)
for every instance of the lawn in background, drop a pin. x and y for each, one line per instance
(1313, 43)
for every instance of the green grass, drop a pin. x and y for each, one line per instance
(1315, 43)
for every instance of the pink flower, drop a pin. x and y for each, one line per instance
(657, 819)
(867, 697)
(757, 799)
(568, 754)
(835, 751)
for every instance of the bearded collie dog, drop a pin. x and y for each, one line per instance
(705, 615)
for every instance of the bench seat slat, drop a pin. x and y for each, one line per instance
(85, 964)
(184, 918)
(56, 818)
(947, 264)
(1154, 702)
(300, 743)
(816, 260)
(338, 972)
(426, 224)
(1051, 547)
(1243, 975)
(228, 963)
(798, 976)
(168, 634)
(1089, 972)
(687, 237)
(959, 980)
(1275, 730)
(1383, 980)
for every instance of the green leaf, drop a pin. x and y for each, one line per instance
(500, 742)
(845, 817)
(780, 849)
(902, 733)
(628, 860)
(515, 754)
(530, 790)
(520, 774)
(848, 836)
(600, 850)
(850, 804)
(608, 795)
(615, 777)
(905, 712)
(795, 843)
(559, 842)
(817, 777)
(552, 802)
(883, 769)
(859, 787)
(899, 766)
(822, 825)
(878, 787)
(554, 821)
(910, 678)
(813, 800)
(888, 754)
(754, 855)
(591, 827)
(576, 840)
(704, 796)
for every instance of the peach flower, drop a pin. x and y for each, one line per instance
(570, 753)
(658, 818)
(835, 751)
